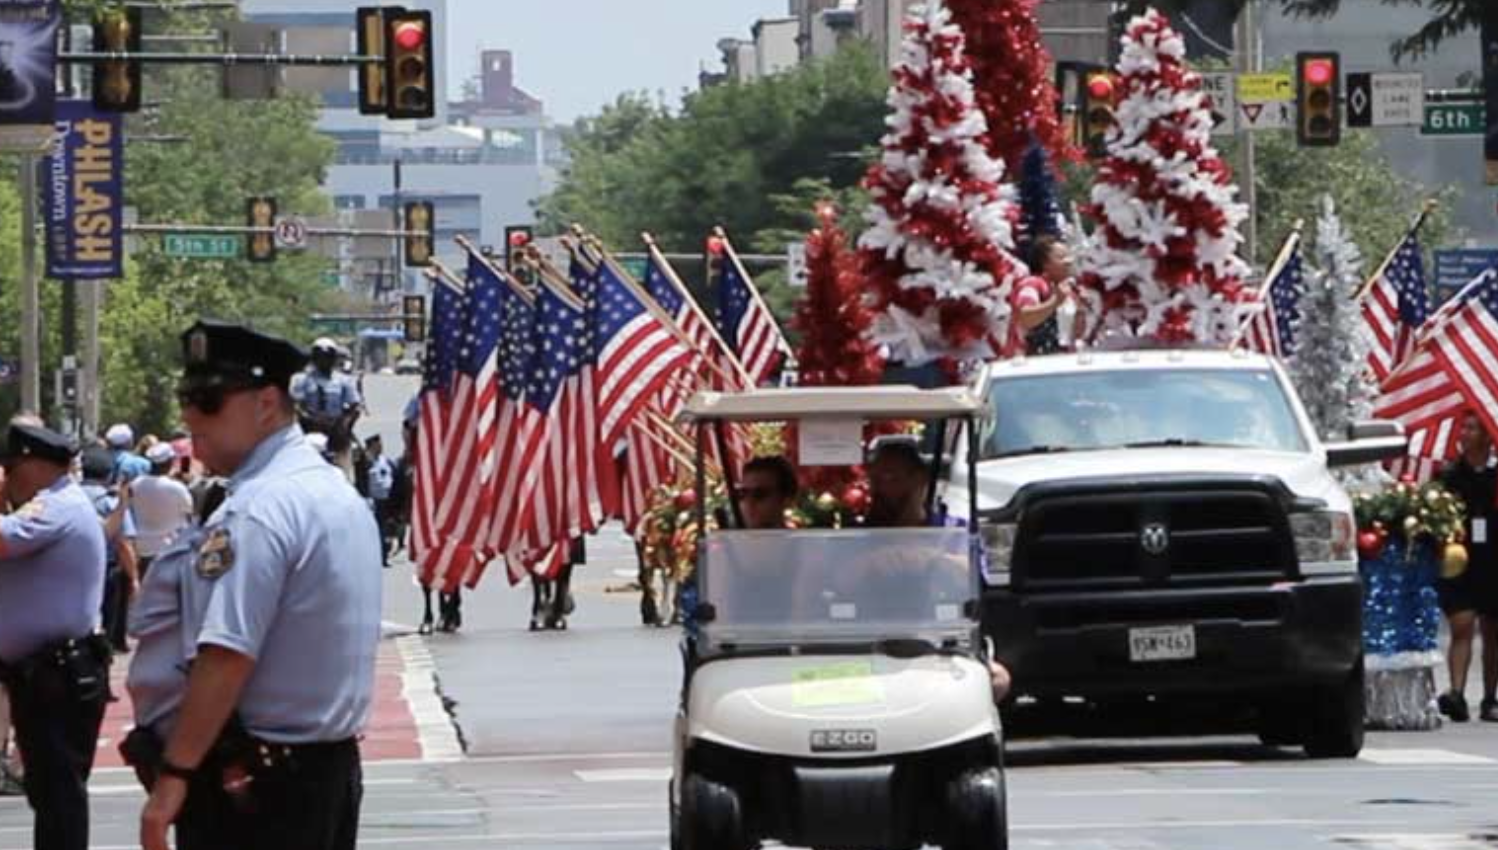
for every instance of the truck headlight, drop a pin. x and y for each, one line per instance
(1325, 542)
(998, 544)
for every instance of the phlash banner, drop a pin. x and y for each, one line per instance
(28, 59)
(1490, 84)
(85, 193)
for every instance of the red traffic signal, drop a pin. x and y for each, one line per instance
(1318, 120)
(409, 65)
(1098, 111)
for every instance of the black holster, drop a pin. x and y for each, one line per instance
(76, 668)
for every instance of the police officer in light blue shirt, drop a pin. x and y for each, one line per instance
(281, 621)
(53, 662)
(328, 401)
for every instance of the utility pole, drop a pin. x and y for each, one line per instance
(31, 308)
(88, 383)
(397, 281)
(1248, 62)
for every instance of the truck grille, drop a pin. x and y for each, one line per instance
(1097, 540)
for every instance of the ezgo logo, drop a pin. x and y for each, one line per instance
(844, 741)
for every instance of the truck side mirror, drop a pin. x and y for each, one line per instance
(1369, 442)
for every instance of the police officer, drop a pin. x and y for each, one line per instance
(53, 661)
(259, 745)
(328, 401)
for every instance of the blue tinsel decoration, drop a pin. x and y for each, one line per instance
(1040, 207)
(1400, 611)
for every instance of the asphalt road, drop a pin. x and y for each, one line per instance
(567, 737)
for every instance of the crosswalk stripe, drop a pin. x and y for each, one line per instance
(1421, 756)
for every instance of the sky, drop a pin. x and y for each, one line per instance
(577, 55)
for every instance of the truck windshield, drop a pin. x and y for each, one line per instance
(834, 586)
(1138, 409)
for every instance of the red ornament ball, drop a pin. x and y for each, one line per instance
(686, 500)
(1370, 544)
(856, 498)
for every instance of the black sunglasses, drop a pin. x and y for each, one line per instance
(209, 400)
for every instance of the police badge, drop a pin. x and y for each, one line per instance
(216, 555)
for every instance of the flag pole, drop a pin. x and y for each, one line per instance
(1425, 210)
(712, 327)
(759, 299)
(605, 258)
(441, 275)
(519, 288)
(1287, 250)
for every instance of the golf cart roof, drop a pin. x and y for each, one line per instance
(884, 402)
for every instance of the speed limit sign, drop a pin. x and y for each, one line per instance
(291, 232)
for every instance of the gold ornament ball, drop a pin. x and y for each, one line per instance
(1453, 560)
(1411, 524)
(826, 502)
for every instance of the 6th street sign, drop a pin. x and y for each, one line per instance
(201, 246)
(1454, 119)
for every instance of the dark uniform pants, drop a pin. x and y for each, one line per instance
(57, 734)
(309, 803)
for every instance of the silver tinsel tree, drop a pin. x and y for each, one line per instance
(1331, 350)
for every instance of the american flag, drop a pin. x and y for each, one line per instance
(1454, 369)
(445, 335)
(647, 467)
(694, 326)
(1395, 307)
(1272, 329)
(637, 354)
(519, 433)
(557, 509)
(604, 474)
(747, 323)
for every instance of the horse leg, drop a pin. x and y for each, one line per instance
(426, 617)
(562, 603)
(537, 603)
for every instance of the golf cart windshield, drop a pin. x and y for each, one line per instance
(776, 588)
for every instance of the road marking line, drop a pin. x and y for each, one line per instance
(1159, 792)
(1415, 841)
(1421, 756)
(629, 774)
(434, 726)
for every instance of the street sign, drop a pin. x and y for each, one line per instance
(1457, 267)
(1453, 119)
(1266, 116)
(1222, 100)
(1360, 100)
(638, 267)
(202, 246)
(795, 264)
(1398, 100)
(291, 232)
(1265, 88)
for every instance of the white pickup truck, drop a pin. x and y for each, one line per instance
(1163, 524)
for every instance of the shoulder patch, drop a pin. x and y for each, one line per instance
(216, 555)
(32, 509)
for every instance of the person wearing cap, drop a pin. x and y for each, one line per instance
(162, 505)
(258, 744)
(328, 401)
(121, 560)
(899, 486)
(128, 465)
(53, 662)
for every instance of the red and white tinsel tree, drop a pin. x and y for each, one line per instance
(1012, 78)
(937, 254)
(1163, 262)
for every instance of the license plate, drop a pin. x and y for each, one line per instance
(1162, 643)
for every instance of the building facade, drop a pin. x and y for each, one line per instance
(482, 161)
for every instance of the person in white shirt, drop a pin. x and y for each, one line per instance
(161, 505)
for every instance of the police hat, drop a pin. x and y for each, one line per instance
(223, 353)
(34, 441)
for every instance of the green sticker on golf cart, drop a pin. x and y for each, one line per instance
(845, 683)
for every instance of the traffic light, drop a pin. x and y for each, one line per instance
(117, 83)
(413, 317)
(517, 237)
(420, 218)
(1318, 83)
(261, 212)
(370, 29)
(409, 69)
(1098, 104)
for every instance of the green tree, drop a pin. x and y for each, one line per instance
(724, 157)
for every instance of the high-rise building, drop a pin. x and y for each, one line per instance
(481, 162)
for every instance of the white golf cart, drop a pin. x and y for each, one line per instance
(837, 693)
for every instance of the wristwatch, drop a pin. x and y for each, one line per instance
(182, 773)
